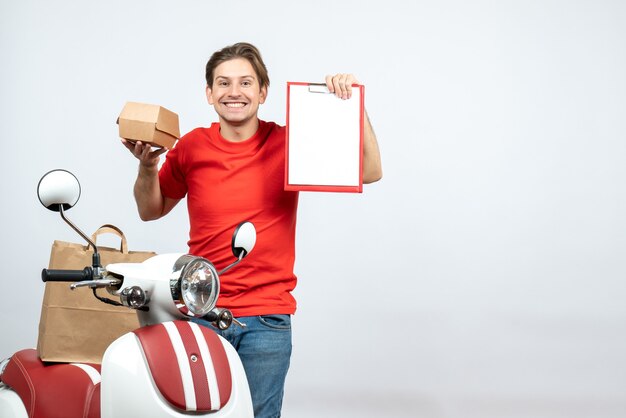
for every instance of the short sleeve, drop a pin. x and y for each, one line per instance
(171, 175)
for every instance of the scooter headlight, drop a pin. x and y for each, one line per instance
(195, 285)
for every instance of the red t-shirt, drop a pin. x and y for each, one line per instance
(229, 182)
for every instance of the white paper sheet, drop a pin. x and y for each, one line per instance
(324, 137)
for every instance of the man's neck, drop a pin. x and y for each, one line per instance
(238, 133)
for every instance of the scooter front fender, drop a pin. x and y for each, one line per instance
(128, 388)
(11, 405)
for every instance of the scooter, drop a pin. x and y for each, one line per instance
(169, 367)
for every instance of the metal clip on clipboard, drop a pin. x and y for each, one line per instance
(318, 88)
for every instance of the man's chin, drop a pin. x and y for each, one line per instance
(236, 120)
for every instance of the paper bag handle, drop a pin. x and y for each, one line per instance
(112, 229)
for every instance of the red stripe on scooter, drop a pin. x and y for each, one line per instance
(198, 372)
(220, 364)
(162, 363)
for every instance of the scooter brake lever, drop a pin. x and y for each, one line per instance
(241, 324)
(95, 283)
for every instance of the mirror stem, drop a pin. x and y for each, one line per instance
(81, 233)
(232, 265)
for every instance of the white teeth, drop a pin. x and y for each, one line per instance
(235, 104)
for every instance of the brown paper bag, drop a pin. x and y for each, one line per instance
(74, 325)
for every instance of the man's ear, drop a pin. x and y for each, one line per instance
(209, 97)
(263, 94)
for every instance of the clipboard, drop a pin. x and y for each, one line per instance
(324, 147)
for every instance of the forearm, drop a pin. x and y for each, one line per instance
(372, 165)
(148, 193)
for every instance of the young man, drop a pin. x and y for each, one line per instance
(231, 172)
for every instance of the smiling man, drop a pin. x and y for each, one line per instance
(234, 171)
(236, 94)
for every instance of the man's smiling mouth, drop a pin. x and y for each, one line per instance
(235, 105)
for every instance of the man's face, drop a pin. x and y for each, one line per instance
(236, 92)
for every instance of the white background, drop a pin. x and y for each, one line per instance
(484, 276)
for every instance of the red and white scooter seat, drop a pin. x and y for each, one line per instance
(54, 390)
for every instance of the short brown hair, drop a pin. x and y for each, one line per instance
(238, 50)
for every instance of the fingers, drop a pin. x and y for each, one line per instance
(341, 85)
(143, 152)
(128, 145)
(329, 83)
(136, 148)
(158, 152)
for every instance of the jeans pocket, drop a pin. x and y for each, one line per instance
(282, 322)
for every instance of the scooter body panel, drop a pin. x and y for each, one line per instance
(129, 390)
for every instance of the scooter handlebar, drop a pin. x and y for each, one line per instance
(50, 275)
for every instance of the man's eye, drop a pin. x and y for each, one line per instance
(246, 84)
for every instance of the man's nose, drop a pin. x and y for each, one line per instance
(234, 90)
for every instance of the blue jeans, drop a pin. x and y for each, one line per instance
(264, 347)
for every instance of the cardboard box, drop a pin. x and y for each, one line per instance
(149, 123)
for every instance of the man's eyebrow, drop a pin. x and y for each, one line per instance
(228, 78)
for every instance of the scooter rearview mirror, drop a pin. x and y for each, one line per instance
(242, 243)
(244, 239)
(58, 190)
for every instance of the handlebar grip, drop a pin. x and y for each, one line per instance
(49, 275)
(211, 317)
